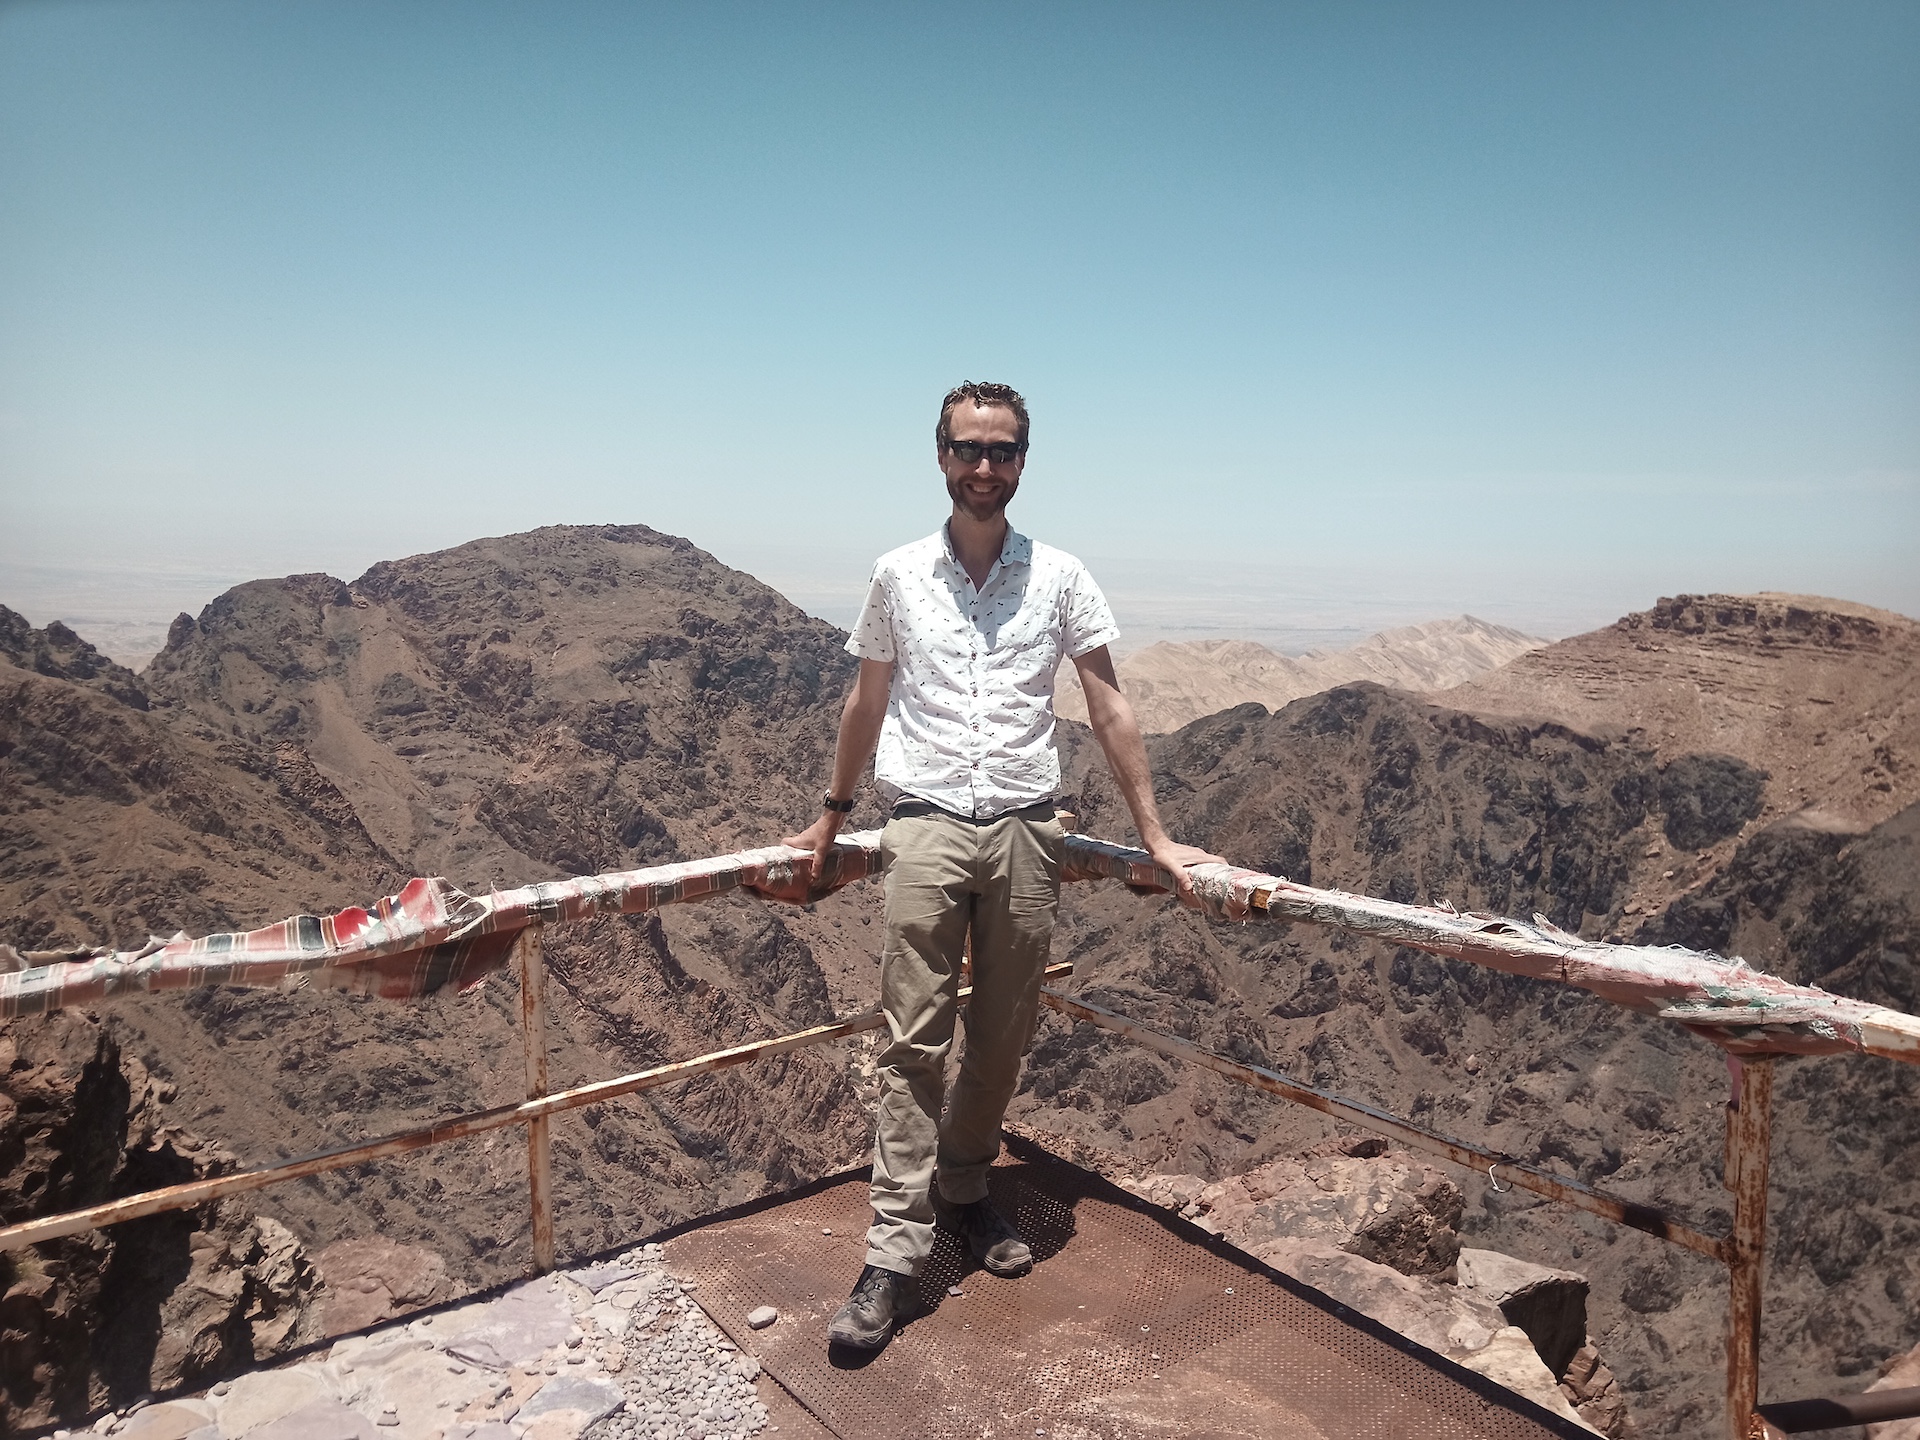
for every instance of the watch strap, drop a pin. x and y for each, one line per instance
(839, 807)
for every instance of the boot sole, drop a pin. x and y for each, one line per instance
(859, 1342)
(1004, 1271)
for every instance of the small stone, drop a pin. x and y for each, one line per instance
(388, 1416)
(1154, 1356)
(1229, 1289)
(763, 1317)
(223, 1387)
(955, 1291)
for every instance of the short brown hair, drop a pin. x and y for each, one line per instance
(982, 392)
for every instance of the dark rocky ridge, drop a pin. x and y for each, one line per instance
(1368, 790)
(581, 698)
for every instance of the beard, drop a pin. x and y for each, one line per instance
(975, 509)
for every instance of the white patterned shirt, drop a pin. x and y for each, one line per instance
(969, 722)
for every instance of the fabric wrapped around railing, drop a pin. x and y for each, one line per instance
(429, 937)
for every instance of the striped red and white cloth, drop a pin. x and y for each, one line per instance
(431, 936)
(428, 937)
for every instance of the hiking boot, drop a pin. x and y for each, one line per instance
(879, 1299)
(989, 1235)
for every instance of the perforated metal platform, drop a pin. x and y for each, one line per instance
(1132, 1324)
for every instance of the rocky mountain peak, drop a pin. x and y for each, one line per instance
(576, 698)
(60, 654)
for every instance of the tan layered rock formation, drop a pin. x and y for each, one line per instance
(1174, 682)
(1822, 694)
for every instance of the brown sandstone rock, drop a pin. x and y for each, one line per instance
(1550, 1305)
(147, 1305)
(373, 1279)
(1458, 1324)
(1388, 1208)
(1596, 1394)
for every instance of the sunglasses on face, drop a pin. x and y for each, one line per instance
(968, 452)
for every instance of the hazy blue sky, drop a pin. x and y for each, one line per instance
(1330, 315)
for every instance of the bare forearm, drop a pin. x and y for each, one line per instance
(1119, 735)
(860, 721)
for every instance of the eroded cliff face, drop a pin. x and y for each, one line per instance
(170, 1300)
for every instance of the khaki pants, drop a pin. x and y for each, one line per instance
(946, 877)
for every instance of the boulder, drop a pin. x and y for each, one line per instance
(1549, 1305)
(1389, 1208)
(373, 1279)
(1593, 1390)
(1452, 1322)
(1509, 1359)
(1462, 1325)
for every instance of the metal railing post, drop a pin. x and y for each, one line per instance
(533, 1033)
(1749, 1145)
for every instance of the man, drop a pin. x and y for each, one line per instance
(958, 644)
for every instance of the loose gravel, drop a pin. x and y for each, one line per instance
(683, 1379)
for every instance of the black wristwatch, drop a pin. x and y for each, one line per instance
(839, 807)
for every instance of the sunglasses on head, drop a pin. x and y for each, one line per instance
(968, 452)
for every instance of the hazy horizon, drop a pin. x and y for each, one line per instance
(1331, 318)
(126, 613)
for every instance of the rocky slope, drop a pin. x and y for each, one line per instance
(570, 700)
(1174, 682)
(1820, 693)
(1615, 831)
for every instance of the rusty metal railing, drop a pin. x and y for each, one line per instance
(1748, 1013)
